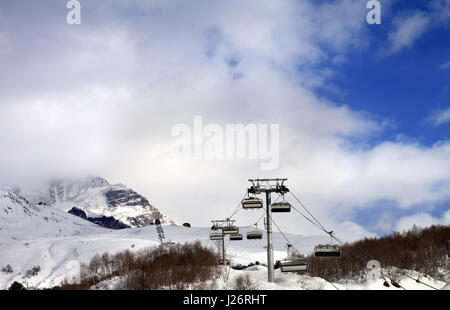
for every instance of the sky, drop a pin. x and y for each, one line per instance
(363, 110)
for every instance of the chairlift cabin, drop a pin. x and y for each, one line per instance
(236, 237)
(294, 266)
(230, 230)
(254, 235)
(215, 236)
(327, 250)
(252, 203)
(281, 207)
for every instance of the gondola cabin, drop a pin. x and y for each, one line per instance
(327, 250)
(252, 203)
(236, 237)
(281, 207)
(254, 235)
(215, 236)
(230, 230)
(294, 266)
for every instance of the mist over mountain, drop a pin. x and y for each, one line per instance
(95, 199)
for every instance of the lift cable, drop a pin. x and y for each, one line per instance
(342, 243)
(290, 243)
(284, 236)
(418, 281)
(239, 206)
(259, 218)
(321, 227)
(304, 207)
(248, 226)
(317, 223)
(384, 278)
(308, 219)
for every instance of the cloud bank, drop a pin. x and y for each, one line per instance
(102, 98)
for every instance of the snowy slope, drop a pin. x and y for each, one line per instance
(59, 257)
(38, 235)
(22, 220)
(58, 250)
(97, 198)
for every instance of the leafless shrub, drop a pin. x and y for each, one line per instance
(7, 269)
(423, 250)
(243, 283)
(173, 267)
(32, 272)
(394, 275)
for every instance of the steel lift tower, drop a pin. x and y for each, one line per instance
(268, 186)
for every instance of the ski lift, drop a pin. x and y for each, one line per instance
(230, 230)
(252, 203)
(294, 266)
(215, 236)
(236, 237)
(293, 263)
(327, 250)
(254, 234)
(281, 207)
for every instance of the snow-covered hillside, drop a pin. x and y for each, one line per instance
(21, 220)
(54, 243)
(59, 258)
(97, 198)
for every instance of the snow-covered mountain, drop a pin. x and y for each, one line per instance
(42, 246)
(97, 198)
(23, 220)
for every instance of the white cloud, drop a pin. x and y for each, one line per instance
(440, 117)
(385, 222)
(442, 9)
(422, 220)
(445, 66)
(407, 29)
(102, 99)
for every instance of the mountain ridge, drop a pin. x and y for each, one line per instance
(97, 198)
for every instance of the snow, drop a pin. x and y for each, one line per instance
(89, 195)
(32, 235)
(20, 220)
(286, 281)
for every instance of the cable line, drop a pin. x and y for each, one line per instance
(304, 207)
(418, 281)
(290, 243)
(239, 206)
(253, 224)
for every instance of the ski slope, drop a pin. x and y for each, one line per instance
(39, 235)
(59, 256)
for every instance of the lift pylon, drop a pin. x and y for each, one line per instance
(268, 186)
(227, 227)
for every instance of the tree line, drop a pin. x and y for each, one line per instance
(421, 249)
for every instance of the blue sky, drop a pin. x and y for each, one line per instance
(406, 87)
(364, 110)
